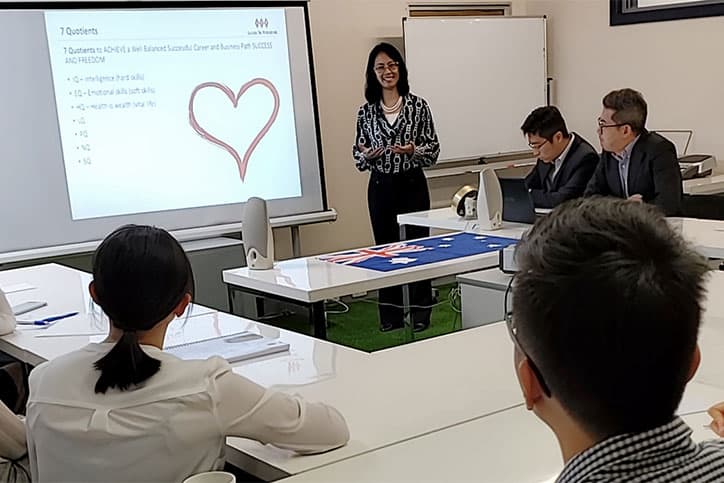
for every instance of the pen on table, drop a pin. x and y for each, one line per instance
(47, 320)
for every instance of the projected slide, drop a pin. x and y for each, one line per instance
(171, 110)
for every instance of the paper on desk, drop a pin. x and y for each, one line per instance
(90, 325)
(81, 324)
(16, 287)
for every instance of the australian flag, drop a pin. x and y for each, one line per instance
(399, 255)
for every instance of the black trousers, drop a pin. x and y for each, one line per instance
(389, 195)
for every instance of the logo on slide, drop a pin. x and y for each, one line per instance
(241, 161)
(261, 23)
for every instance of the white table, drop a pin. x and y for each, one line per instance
(490, 448)
(707, 236)
(706, 185)
(390, 398)
(405, 392)
(309, 281)
(511, 446)
(387, 397)
(447, 219)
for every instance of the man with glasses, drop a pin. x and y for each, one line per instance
(605, 316)
(635, 164)
(565, 163)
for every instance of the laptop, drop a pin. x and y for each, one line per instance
(517, 204)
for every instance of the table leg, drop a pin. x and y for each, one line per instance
(319, 319)
(409, 326)
(296, 248)
(230, 294)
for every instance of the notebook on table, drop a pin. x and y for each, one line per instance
(233, 347)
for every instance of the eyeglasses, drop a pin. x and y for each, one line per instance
(393, 66)
(513, 332)
(538, 146)
(602, 124)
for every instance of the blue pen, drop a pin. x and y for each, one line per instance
(47, 320)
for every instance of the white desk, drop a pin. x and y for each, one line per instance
(511, 446)
(707, 236)
(399, 395)
(447, 219)
(309, 281)
(489, 449)
(387, 397)
(706, 185)
(405, 392)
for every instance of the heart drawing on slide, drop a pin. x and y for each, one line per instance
(241, 161)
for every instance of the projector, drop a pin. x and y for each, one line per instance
(696, 165)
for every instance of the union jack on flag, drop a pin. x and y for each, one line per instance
(363, 254)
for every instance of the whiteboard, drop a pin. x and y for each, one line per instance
(481, 78)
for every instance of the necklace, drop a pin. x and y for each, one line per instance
(392, 109)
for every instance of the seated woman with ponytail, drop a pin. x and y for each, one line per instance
(123, 410)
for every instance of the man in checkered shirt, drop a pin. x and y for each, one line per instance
(605, 316)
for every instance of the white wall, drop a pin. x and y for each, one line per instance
(677, 65)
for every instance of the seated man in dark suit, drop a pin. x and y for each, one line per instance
(635, 164)
(566, 161)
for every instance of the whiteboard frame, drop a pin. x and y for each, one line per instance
(480, 158)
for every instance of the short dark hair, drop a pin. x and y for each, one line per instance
(373, 89)
(607, 303)
(630, 108)
(140, 273)
(545, 122)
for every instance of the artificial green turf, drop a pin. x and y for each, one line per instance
(359, 327)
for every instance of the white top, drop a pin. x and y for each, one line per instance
(560, 159)
(172, 426)
(7, 319)
(391, 118)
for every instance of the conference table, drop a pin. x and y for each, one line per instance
(707, 236)
(386, 397)
(513, 445)
(309, 281)
(455, 396)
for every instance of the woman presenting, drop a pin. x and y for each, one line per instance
(396, 138)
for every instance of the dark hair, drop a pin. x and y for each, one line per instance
(140, 273)
(373, 89)
(630, 108)
(607, 303)
(545, 122)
